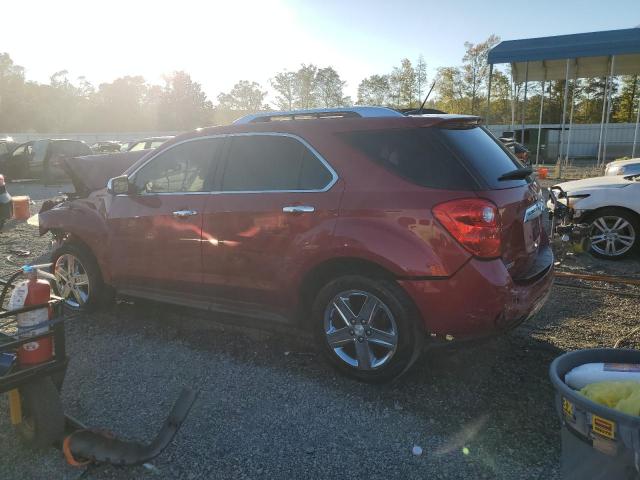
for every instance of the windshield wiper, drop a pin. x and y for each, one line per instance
(517, 174)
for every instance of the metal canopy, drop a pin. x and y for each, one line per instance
(589, 54)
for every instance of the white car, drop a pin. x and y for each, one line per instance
(611, 205)
(630, 166)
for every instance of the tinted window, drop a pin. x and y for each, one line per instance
(484, 154)
(183, 168)
(417, 154)
(272, 162)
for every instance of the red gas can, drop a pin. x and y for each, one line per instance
(33, 292)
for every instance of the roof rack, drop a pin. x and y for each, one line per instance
(314, 113)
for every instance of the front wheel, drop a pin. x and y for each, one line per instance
(614, 233)
(78, 277)
(367, 328)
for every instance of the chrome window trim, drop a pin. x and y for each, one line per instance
(327, 165)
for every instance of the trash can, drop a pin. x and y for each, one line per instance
(597, 442)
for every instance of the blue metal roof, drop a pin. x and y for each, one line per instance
(562, 47)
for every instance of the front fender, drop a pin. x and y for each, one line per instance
(84, 221)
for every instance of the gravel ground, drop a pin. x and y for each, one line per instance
(270, 408)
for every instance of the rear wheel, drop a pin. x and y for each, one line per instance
(78, 277)
(367, 328)
(614, 233)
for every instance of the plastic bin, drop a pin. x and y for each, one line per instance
(597, 442)
(21, 210)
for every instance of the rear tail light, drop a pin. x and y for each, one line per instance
(474, 223)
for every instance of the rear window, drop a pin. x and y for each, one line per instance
(488, 158)
(417, 154)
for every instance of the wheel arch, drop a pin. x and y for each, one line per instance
(591, 214)
(322, 273)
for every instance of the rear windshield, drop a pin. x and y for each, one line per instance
(443, 158)
(486, 155)
(417, 154)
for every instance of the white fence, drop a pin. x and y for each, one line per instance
(583, 139)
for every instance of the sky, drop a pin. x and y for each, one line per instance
(221, 42)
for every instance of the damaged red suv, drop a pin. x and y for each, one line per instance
(377, 231)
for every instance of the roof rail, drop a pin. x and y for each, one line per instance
(313, 113)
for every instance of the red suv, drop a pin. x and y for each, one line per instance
(376, 230)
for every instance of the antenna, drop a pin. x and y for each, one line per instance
(426, 98)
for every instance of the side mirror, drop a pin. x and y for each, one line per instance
(118, 185)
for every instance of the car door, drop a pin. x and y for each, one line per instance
(277, 204)
(157, 229)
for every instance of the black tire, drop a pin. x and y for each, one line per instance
(97, 291)
(612, 212)
(42, 414)
(410, 333)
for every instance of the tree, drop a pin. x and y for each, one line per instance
(476, 69)
(305, 87)
(421, 78)
(374, 90)
(500, 98)
(450, 90)
(12, 87)
(119, 105)
(245, 96)
(628, 100)
(183, 104)
(285, 84)
(329, 87)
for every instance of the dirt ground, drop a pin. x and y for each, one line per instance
(270, 408)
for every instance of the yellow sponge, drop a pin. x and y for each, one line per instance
(621, 396)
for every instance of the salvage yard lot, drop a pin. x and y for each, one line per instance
(269, 407)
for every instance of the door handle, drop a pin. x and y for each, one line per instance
(184, 213)
(298, 209)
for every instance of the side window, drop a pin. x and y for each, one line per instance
(18, 151)
(137, 146)
(156, 143)
(272, 163)
(183, 168)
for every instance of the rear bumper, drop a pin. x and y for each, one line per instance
(481, 299)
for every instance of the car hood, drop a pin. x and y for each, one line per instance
(595, 183)
(92, 172)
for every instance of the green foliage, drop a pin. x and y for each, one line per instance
(245, 96)
(130, 103)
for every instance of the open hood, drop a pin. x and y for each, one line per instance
(91, 172)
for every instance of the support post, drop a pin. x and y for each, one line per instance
(524, 103)
(606, 125)
(488, 114)
(635, 132)
(544, 80)
(564, 116)
(513, 97)
(573, 96)
(604, 107)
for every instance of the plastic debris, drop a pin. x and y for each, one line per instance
(416, 450)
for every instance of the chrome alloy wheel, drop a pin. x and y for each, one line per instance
(360, 329)
(612, 236)
(72, 280)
